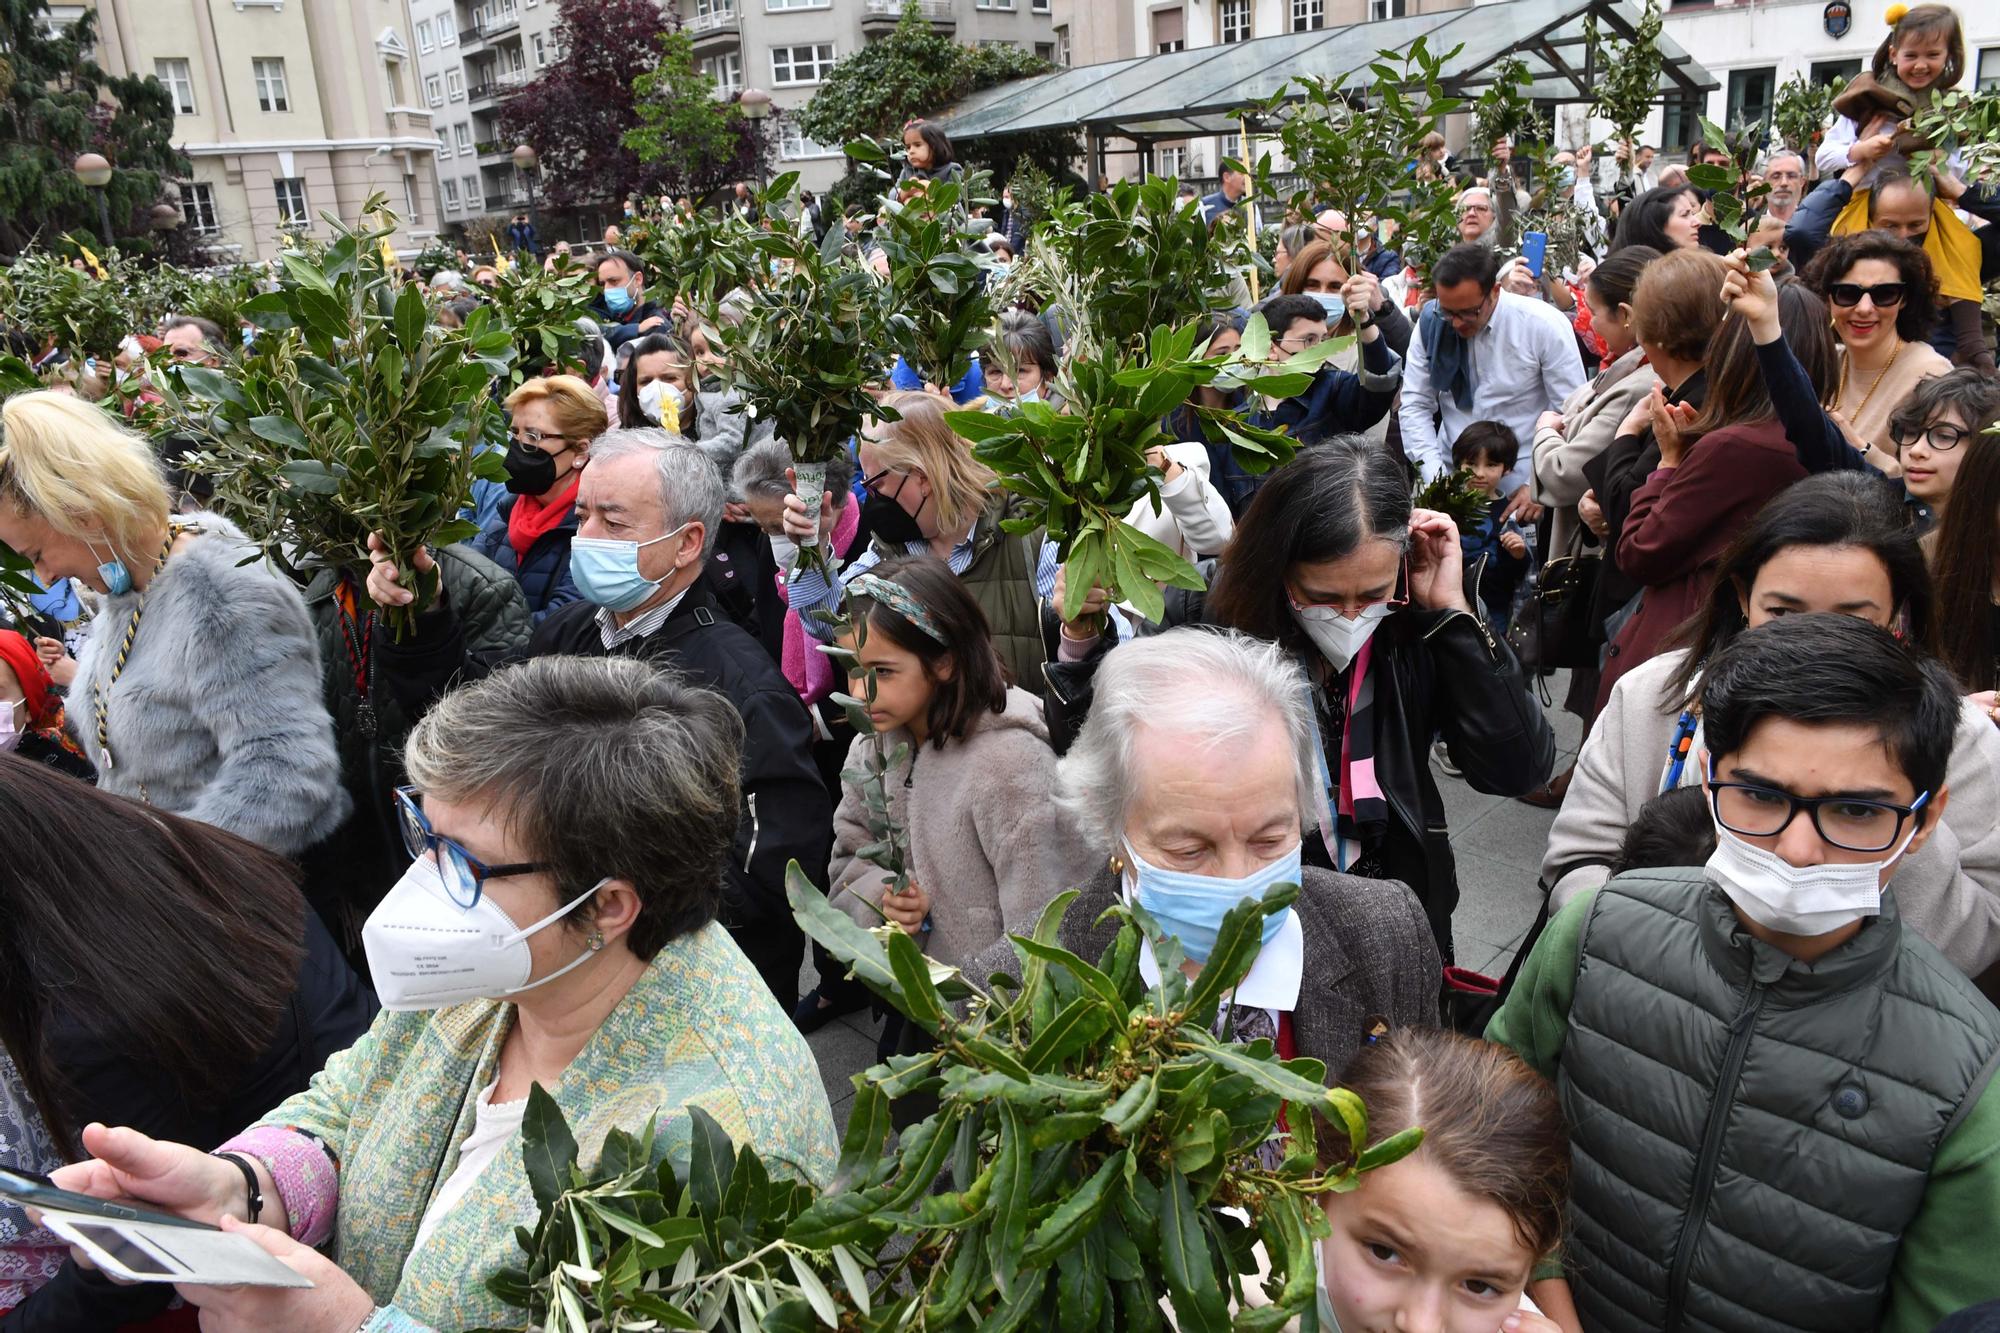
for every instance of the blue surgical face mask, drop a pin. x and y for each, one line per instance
(617, 300)
(1333, 304)
(1190, 907)
(606, 571)
(117, 578)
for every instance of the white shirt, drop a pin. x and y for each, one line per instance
(1523, 363)
(493, 1127)
(1273, 981)
(613, 634)
(1192, 517)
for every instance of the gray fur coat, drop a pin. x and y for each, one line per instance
(218, 713)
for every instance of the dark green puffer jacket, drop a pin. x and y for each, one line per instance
(348, 873)
(1751, 1137)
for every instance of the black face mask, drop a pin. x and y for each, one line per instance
(887, 519)
(530, 471)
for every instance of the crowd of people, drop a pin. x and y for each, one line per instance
(299, 908)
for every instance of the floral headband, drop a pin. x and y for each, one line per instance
(889, 593)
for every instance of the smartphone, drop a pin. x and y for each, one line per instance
(1534, 248)
(149, 1252)
(33, 1190)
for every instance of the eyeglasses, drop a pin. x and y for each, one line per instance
(1304, 342)
(528, 435)
(464, 874)
(872, 485)
(1938, 436)
(1844, 821)
(1399, 597)
(1463, 315)
(1849, 294)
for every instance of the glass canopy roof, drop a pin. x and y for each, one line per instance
(1204, 90)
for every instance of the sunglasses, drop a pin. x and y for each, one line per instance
(1848, 294)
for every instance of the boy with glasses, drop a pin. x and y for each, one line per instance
(1777, 1095)
(1340, 401)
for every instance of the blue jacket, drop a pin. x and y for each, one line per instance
(1384, 264)
(544, 575)
(1339, 401)
(905, 378)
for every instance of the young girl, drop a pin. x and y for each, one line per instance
(987, 847)
(1450, 1237)
(1923, 54)
(927, 157)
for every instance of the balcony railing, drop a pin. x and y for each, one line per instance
(497, 85)
(937, 11)
(720, 18)
(489, 26)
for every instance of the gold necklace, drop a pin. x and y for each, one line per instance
(1847, 362)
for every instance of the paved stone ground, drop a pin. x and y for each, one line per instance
(1499, 844)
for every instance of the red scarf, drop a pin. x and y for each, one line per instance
(530, 520)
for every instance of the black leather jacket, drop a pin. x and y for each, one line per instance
(1443, 674)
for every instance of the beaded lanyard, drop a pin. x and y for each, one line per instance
(99, 693)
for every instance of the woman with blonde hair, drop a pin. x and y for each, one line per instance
(927, 495)
(553, 422)
(198, 687)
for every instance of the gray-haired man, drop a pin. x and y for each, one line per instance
(651, 504)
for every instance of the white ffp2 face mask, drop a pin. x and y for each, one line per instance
(1797, 900)
(427, 952)
(1336, 636)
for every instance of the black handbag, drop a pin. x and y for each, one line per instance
(1552, 630)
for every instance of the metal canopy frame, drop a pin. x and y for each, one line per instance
(1204, 91)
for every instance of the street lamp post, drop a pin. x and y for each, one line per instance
(755, 104)
(526, 161)
(94, 172)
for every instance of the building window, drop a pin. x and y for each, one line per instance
(1227, 146)
(179, 83)
(292, 202)
(411, 213)
(448, 189)
(1987, 77)
(541, 50)
(1232, 20)
(1835, 73)
(993, 4)
(425, 41)
(454, 84)
(1169, 30)
(718, 9)
(434, 90)
(473, 199)
(463, 133)
(792, 65)
(271, 92)
(1170, 160)
(198, 207)
(1385, 9)
(793, 144)
(1039, 6)
(1046, 51)
(1308, 15)
(1062, 45)
(1680, 124)
(725, 72)
(1751, 93)
(775, 5)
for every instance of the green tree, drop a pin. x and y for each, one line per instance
(692, 143)
(914, 71)
(51, 110)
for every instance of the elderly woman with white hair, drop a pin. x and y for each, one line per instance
(1197, 764)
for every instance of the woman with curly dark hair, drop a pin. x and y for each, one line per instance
(1884, 296)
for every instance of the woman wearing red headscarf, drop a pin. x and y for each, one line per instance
(31, 712)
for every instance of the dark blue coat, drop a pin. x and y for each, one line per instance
(544, 575)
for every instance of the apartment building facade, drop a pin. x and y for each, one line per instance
(470, 54)
(286, 108)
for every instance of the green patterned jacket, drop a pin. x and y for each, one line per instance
(698, 1028)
